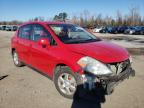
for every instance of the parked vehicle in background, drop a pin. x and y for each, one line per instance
(130, 30)
(121, 29)
(114, 30)
(11, 28)
(110, 29)
(97, 29)
(104, 30)
(3, 27)
(15, 28)
(72, 57)
(142, 30)
(139, 30)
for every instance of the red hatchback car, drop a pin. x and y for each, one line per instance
(70, 56)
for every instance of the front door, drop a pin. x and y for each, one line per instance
(41, 57)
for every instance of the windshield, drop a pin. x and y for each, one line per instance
(69, 33)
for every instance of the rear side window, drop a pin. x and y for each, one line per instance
(25, 32)
(40, 32)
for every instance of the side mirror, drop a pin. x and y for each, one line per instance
(44, 42)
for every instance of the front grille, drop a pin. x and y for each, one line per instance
(119, 67)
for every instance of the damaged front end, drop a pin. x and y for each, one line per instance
(119, 72)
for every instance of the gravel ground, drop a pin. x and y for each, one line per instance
(125, 40)
(133, 43)
(25, 88)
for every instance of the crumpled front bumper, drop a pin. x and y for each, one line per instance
(121, 76)
(108, 82)
(112, 81)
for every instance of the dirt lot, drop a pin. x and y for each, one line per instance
(25, 88)
(125, 40)
(133, 43)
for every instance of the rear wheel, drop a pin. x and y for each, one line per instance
(66, 82)
(16, 60)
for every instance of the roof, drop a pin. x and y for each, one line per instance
(43, 22)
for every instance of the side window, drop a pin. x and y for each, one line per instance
(25, 32)
(39, 32)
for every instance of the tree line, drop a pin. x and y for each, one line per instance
(86, 19)
(133, 18)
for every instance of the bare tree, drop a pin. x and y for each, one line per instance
(99, 19)
(134, 16)
(108, 20)
(119, 18)
(75, 20)
(81, 20)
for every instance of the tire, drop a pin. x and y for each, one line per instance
(116, 32)
(64, 74)
(16, 60)
(141, 33)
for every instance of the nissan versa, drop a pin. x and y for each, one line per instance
(70, 56)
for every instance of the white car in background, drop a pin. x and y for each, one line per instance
(11, 28)
(97, 29)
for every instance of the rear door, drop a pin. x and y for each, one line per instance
(23, 43)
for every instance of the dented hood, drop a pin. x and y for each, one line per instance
(105, 52)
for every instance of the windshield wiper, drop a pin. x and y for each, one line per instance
(81, 41)
(73, 41)
(91, 40)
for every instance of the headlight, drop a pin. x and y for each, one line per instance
(93, 66)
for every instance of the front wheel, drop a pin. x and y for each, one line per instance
(66, 82)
